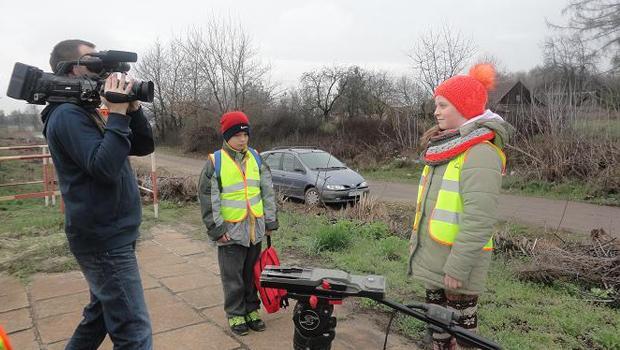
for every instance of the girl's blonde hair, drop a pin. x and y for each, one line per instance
(428, 134)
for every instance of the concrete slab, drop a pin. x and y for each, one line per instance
(16, 320)
(204, 336)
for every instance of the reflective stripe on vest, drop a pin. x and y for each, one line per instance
(443, 225)
(240, 192)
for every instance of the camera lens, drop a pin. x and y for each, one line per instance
(143, 91)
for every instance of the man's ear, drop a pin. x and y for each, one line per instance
(74, 70)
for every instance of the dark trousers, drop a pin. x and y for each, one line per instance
(117, 305)
(237, 273)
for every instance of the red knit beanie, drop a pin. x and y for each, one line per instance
(234, 122)
(469, 93)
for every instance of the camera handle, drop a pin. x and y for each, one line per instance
(116, 97)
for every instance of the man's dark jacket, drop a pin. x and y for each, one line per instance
(98, 186)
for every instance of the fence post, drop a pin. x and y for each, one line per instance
(45, 178)
(154, 184)
(52, 176)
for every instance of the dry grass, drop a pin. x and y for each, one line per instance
(594, 265)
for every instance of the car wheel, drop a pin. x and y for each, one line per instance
(312, 197)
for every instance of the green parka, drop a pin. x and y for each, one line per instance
(480, 183)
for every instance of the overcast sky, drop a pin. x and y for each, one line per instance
(291, 36)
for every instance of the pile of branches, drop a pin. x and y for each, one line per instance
(594, 265)
(177, 189)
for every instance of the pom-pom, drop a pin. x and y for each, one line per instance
(485, 74)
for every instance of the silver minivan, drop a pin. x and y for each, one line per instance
(313, 175)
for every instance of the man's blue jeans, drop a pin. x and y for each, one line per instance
(117, 305)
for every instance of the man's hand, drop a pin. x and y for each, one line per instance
(224, 238)
(268, 232)
(120, 86)
(451, 282)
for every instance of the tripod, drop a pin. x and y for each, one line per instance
(318, 290)
(315, 327)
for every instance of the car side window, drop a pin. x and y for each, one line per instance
(298, 165)
(273, 160)
(288, 162)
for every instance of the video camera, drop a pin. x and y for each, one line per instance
(318, 290)
(37, 87)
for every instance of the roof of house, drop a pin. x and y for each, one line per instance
(501, 89)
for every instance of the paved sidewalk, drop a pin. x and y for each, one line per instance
(184, 296)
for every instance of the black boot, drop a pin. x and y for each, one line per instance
(238, 325)
(254, 322)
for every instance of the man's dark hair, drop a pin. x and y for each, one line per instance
(67, 50)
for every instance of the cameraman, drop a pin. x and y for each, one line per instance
(102, 204)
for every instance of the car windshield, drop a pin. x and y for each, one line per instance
(321, 160)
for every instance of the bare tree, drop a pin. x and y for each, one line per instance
(365, 93)
(408, 113)
(381, 93)
(210, 70)
(597, 22)
(163, 66)
(322, 88)
(598, 19)
(353, 90)
(569, 63)
(439, 55)
(408, 92)
(224, 54)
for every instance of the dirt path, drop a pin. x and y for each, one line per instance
(549, 213)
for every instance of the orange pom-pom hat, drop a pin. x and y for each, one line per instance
(469, 93)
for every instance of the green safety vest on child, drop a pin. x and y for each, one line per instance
(240, 190)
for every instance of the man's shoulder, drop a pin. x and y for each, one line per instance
(66, 115)
(63, 110)
(65, 107)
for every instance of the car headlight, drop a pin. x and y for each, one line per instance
(335, 187)
(363, 184)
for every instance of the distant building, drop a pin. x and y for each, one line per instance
(509, 93)
(513, 100)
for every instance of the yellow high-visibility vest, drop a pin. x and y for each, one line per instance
(240, 191)
(443, 224)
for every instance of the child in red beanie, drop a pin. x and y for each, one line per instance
(239, 208)
(451, 241)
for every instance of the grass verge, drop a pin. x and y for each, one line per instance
(32, 235)
(517, 314)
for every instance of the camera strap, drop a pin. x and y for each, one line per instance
(97, 119)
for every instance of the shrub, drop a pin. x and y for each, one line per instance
(393, 248)
(332, 238)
